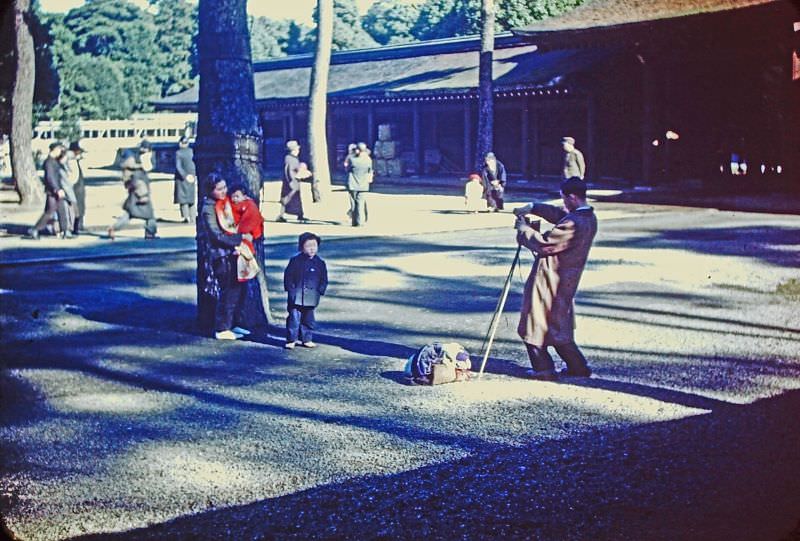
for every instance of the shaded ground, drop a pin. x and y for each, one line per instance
(120, 421)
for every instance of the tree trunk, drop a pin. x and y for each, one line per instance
(318, 97)
(27, 182)
(228, 136)
(485, 139)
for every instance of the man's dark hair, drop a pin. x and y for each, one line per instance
(574, 185)
(305, 237)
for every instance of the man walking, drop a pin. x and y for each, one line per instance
(55, 195)
(547, 317)
(574, 164)
(75, 176)
(359, 178)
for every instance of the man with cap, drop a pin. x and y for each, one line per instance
(185, 180)
(574, 164)
(146, 155)
(547, 316)
(291, 202)
(76, 180)
(55, 195)
(494, 182)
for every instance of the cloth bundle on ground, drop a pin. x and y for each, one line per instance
(439, 362)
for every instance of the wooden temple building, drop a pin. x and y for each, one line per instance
(720, 76)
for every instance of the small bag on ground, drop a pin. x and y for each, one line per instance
(438, 363)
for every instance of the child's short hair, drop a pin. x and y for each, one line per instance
(304, 237)
(238, 187)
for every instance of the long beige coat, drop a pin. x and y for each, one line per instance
(547, 316)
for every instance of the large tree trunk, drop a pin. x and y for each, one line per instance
(27, 182)
(485, 139)
(228, 134)
(318, 98)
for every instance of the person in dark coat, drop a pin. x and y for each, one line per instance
(56, 202)
(305, 281)
(494, 182)
(547, 316)
(185, 180)
(359, 178)
(291, 201)
(214, 218)
(138, 204)
(75, 171)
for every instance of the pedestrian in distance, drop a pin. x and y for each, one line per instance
(305, 280)
(146, 156)
(547, 316)
(55, 202)
(494, 182)
(291, 199)
(216, 220)
(185, 181)
(473, 194)
(359, 179)
(138, 204)
(574, 164)
(75, 173)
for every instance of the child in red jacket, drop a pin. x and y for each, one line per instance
(248, 219)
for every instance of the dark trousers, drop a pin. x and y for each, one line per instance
(300, 323)
(230, 305)
(358, 207)
(187, 211)
(494, 198)
(570, 353)
(58, 206)
(150, 224)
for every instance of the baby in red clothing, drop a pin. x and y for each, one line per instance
(248, 219)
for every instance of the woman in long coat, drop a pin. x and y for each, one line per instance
(291, 202)
(547, 316)
(185, 180)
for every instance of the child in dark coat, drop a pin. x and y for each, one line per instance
(305, 280)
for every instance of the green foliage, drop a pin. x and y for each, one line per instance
(388, 22)
(176, 38)
(347, 30)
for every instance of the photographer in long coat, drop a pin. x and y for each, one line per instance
(547, 317)
(185, 180)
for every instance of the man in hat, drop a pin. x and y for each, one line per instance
(547, 316)
(76, 180)
(359, 178)
(185, 180)
(55, 202)
(494, 182)
(291, 202)
(574, 164)
(146, 155)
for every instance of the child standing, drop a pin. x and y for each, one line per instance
(473, 194)
(305, 280)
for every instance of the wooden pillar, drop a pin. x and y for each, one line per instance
(524, 136)
(352, 119)
(648, 116)
(370, 125)
(468, 158)
(536, 170)
(291, 134)
(592, 170)
(417, 135)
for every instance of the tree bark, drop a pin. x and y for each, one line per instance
(485, 139)
(318, 97)
(228, 136)
(26, 180)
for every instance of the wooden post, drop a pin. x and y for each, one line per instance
(417, 128)
(524, 137)
(468, 157)
(591, 148)
(534, 131)
(370, 125)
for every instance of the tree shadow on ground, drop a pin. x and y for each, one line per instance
(725, 475)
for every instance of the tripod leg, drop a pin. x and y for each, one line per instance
(498, 311)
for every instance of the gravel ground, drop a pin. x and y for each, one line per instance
(118, 421)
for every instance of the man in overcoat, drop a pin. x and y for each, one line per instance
(185, 180)
(75, 172)
(547, 316)
(291, 200)
(56, 197)
(359, 178)
(494, 182)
